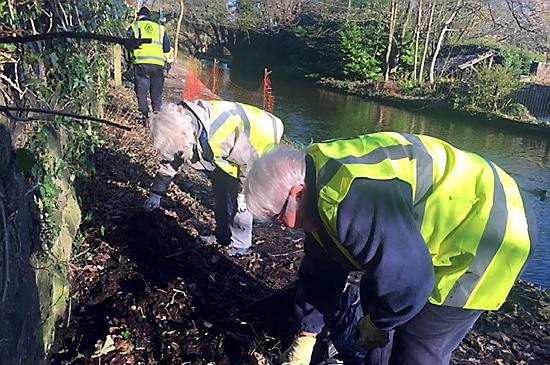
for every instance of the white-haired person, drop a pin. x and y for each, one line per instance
(439, 234)
(222, 139)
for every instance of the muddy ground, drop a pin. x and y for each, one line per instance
(147, 290)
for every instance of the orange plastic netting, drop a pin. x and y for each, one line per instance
(214, 83)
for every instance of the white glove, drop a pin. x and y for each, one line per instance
(152, 202)
(299, 353)
(241, 203)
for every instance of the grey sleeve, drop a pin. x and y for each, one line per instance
(240, 152)
(166, 172)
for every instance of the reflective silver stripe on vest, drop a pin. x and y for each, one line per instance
(149, 58)
(332, 166)
(218, 122)
(160, 35)
(274, 124)
(417, 151)
(244, 118)
(490, 243)
(424, 177)
(222, 118)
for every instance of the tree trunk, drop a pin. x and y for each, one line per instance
(390, 39)
(426, 41)
(117, 65)
(402, 36)
(178, 29)
(440, 40)
(417, 39)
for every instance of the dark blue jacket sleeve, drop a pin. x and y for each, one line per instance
(321, 283)
(165, 43)
(376, 224)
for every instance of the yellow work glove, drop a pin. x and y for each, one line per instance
(368, 336)
(299, 353)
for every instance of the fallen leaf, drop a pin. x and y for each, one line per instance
(105, 347)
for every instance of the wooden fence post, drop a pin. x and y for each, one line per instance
(117, 65)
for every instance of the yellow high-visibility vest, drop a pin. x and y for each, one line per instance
(262, 128)
(150, 53)
(468, 210)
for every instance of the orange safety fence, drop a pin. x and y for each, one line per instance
(214, 83)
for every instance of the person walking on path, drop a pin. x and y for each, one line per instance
(148, 61)
(223, 139)
(440, 235)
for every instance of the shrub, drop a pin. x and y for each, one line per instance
(487, 89)
(359, 53)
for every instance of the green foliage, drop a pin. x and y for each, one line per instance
(353, 87)
(66, 74)
(25, 160)
(413, 88)
(247, 14)
(517, 110)
(360, 52)
(407, 56)
(489, 89)
(517, 59)
(509, 56)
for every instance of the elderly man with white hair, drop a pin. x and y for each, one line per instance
(439, 234)
(222, 139)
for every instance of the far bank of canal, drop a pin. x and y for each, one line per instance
(312, 114)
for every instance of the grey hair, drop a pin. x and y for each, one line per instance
(270, 179)
(173, 132)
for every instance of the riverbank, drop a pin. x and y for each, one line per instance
(428, 103)
(147, 290)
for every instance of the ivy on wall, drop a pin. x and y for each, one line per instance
(60, 74)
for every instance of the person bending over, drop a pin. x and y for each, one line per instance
(439, 234)
(222, 139)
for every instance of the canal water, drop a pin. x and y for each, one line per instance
(311, 114)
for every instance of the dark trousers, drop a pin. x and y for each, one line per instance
(226, 188)
(233, 228)
(427, 339)
(149, 79)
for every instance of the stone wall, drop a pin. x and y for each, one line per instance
(543, 73)
(34, 285)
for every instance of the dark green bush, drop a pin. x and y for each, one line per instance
(487, 89)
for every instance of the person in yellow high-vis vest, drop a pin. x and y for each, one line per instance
(222, 139)
(440, 235)
(148, 61)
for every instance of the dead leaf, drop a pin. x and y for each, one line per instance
(124, 346)
(105, 347)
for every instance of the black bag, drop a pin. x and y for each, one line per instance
(130, 74)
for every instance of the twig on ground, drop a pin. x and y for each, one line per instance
(284, 254)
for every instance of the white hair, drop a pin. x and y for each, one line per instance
(270, 179)
(173, 131)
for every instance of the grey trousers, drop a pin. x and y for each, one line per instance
(427, 339)
(232, 228)
(149, 79)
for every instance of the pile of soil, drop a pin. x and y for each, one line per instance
(147, 289)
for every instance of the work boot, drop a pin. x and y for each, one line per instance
(238, 251)
(209, 240)
(144, 120)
